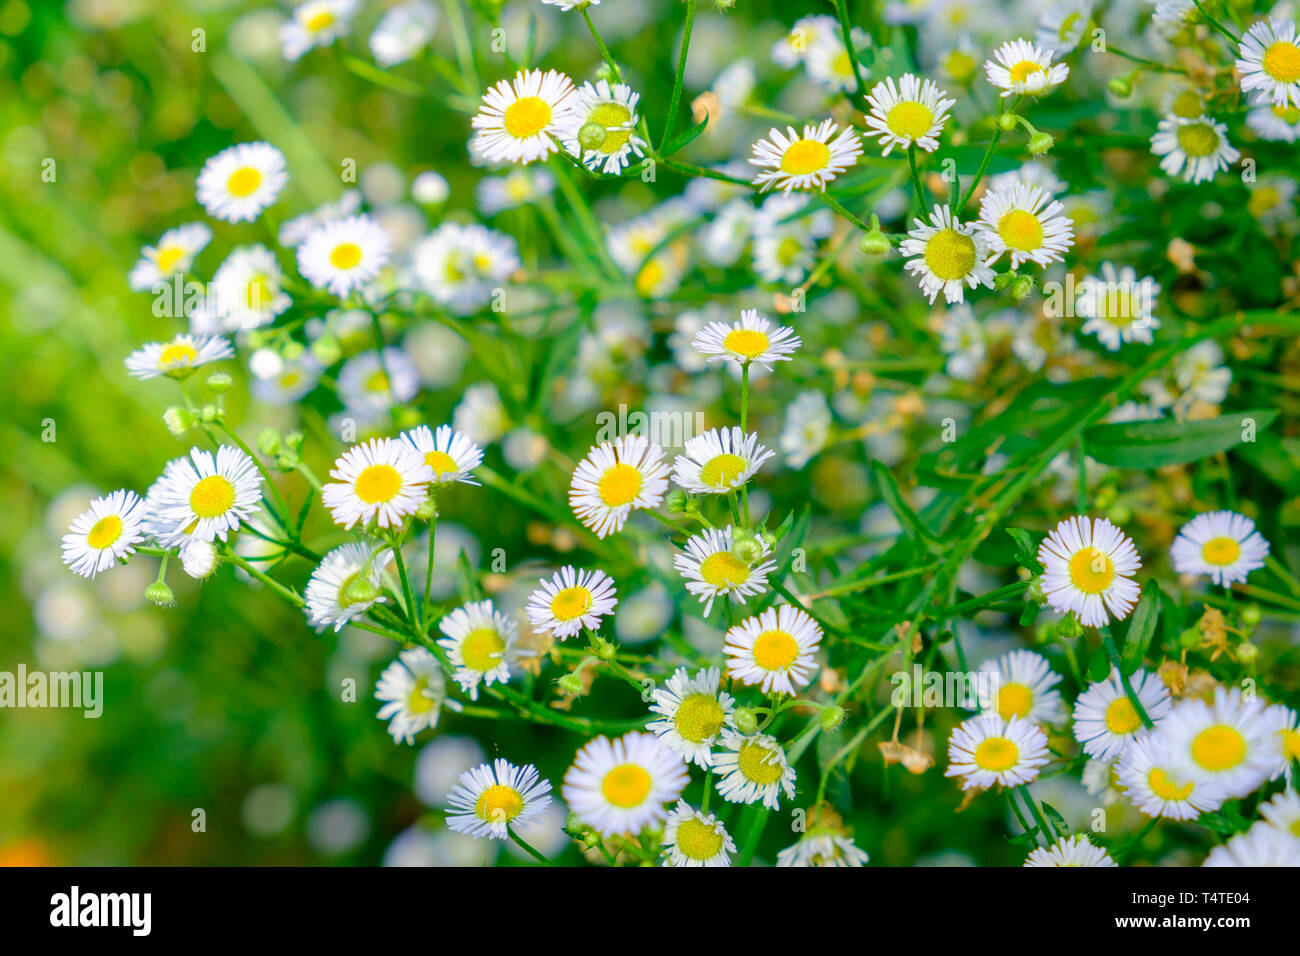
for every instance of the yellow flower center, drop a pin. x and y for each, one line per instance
(1262, 199)
(570, 603)
(260, 293)
(842, 65)
(1291, 744)
(996, 754)
(1198, 139)
(107, 530)
(724, 570)
(377, 382)
(378, 483)
(320, 21)
(788, 250)
(1021, 230)
(698, 840)
(416, 702)
(1122, 716)
(441, 463)
(1187, 105)
(699, 717)
(482, 649)
(1282, 62)
(614, 117)
(178, 353)
(805, 156)
(243, 181)
(1014, 700)
(212, 497)
(746, 342)
(1288, 114)
(721, 470)
(168, 257)
(527, 116)
(1091, 570)
(775, 650)
(1067, 25)
(1166, 789)
(499, 804)
(345, 255)
(760, 764)
(648, 279)
(909, 120)
(1221, 551)
(950, 254)
(1219, 748)
(1024, 70)
(619, 485)
(627, 785)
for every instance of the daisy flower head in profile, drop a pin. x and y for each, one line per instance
(1229, 742)
(571, 600)
(1277, 124)
(600, 129)
(1105, 720)
(1283, 812)
(712, 569)
(753, 339)
(567, 5)
(790, 161)
(316, 23)
(346, 584)
(1222, 544)
(414, 692)
(104, 533)
(492, 799)
(826, 843)
(694, 838)
(173, 254)
(947, 255)
(1118, 306)
(1270, 62)
(1025, 222)
(382, 480)
(345, 254)
(986, 749)
(1089, 565)
(480, 643)
(619, 787)
(719, 461)
(522, 120)
(1020, 67)
(249, 289)
(1075, 850)
(693, 711)
(179, 357)
(403, 31)
(461, 265)
(615, 479)
(450, 455)
(774, 650)
(791, 49)
(752, 768)
(1284, 738)
(912, 113)
(1024, 683)
(205, 496)
(1158, 786)
(1062, 25)
(1261, 845)
(1196, 148)
(239, 182)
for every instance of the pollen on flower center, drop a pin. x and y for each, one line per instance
(259, 293)
(441, 463)
(212, 497)
(1282, 62)
(614, 117)
(721, 470)
(1219, 748)
(746, 342)
(482, 649)
(345, 255)
(1021, 230)
(619, 485)
(950, 254)
(106, 530)
(760, 764)
(1198, 139)
(805, 156)
(378, 382)
(1024, 70)
(178, 353)
(1014, 700)
(1221, 551)
(416, 702)
(697, 840)
(378, 483)
(1166, 789)
(910, 120)
(499, 804)
(1187, 105)
(699, 717)
(571, 603)
(775, 650)
(996, 754)
(527, 116)
(167, 258)
(244, 181)
(1091, 571)
(320, 21)
(724, 570)
(627, 785)
(1122, 716)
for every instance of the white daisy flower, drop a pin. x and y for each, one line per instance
(567, 5)
(985, 750)
(823, 847)
(774, 650)
(620, 787)
(1032, 173)
(1026, 222)
(1118, 306)
(711, 570)
(1062, 25)
(1020, 67)
(239, 182)
(963, 340)
(809, 161)
(414, 693)
(1158, 786)
(615, 478)
(785, 243)
(719, 461)
(1272, 200)
(179, 357)
(520, 121)
(1261, 845)
(293, 232)
(913, 112)
(570, 601)
(1278, 124)
(198, 558)
(1283, 812)
(370, 385)
(1201, 374)
(491, 799)
(1270, 61)
(1197, 148)
(173, 254)
(518, 187)
(344, 254)
(1105, 720)
(752, 339)
(249, 289)
(480, 642)
(480, 414)
(807, 428)
(692, 838)
(1088, 565)
(316, 23)
(104, 533)
(382, 480)
(451, 455)
(827, 60)
(462, 267)
(1074, 850)
(752, 768)
(403, 31)
(205, 497)
(345, 585)
(1284, 739)
(805, 33)
(947, 255)
(600, 129)
(694, 712)
(1222, 544)
(1230, 743)
(1024, 687)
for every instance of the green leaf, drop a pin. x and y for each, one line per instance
(1141, 628)
(1055, 817)
(1154, 444)
(1026, 548)
(1098, 666)
(893, 496)
(1029, 614)
(685, 138)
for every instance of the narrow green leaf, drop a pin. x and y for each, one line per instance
(1026, 548)
(893, 496)
(1141, 628)
(685, 138)
(1154, 444)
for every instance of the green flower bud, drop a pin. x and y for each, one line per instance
(219, 383)
(1069, 627)
(1119, 514)
(1120, 86)
(1021, 286)
(160, 594)
(570, 684)
(745, 547)
(292, 351)
(1040, 143)
(1189, 639)
(326, 350)
(360, 590)
(874, 242)
(605, 650)
(1035, 592)
(1007, 122)
(1250, 615)
(832, 717)
(428, 510)
(592, 136)
(268, 441)
(179, 421)
(746, 720)
(675, 501)
(1247, 652)
(209, 413)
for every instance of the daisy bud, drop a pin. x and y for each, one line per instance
(198, 558)
(1189, 639)
(326, 350)
(428, 510)
(1069, 626)
(874, 242)
(179, 421)
(360, 590)
(591, 136)
(570, 684)
(1036, 591)
(1247, 652)
(605, 650)
(268, 441)
(209, 413)
(1119, 514)
(1007, 122)
(1040, 143)
(293, 351)
(747, 548)
(160, 594)
(675, 501)
(1021, 286)
(1250, 615)
(1120, 86)
(746, 720)
(219, 383)
(832, 717)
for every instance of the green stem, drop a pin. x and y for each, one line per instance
(674, 103)
(916, 179)
(287, 593)
(1113, 653)
(604, 50)
(846, 32)
(535, 854)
